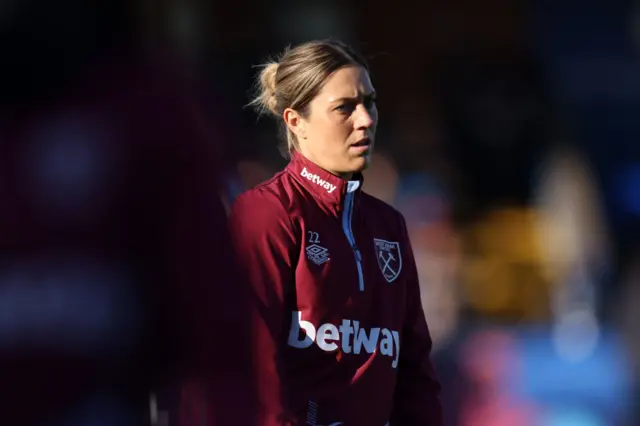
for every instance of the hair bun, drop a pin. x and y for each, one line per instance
(266, 99)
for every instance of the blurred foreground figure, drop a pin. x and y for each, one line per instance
(115, 275)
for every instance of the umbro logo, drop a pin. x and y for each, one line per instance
(317, 254)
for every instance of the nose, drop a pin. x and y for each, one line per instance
(364, 119)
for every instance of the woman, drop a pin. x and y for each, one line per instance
(331, 267)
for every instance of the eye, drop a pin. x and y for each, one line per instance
(346, 108)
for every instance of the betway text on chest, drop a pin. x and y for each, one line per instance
(348, 336)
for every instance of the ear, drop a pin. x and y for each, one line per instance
(295, 123)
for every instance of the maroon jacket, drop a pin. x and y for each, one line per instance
(341, 334)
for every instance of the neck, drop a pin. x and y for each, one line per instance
(345, 175)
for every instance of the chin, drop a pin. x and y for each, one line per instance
(360, 163)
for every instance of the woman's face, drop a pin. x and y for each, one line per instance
(339, 131)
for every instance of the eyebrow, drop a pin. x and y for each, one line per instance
(356, 98)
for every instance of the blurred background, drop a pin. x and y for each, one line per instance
(508, 137)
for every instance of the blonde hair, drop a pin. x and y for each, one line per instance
(296, 77)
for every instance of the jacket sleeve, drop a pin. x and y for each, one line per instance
(265, 244)
(417, 393)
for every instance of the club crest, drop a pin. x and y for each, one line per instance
(389, 258)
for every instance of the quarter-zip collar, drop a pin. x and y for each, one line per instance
(327, 187)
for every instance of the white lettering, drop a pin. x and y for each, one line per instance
(294, 334)
(386, 344)
(361, 339)
(349, 337)
(327, 335)
(346, 330)
(316, 179)
(396, 339)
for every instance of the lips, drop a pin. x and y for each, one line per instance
(362, 142)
